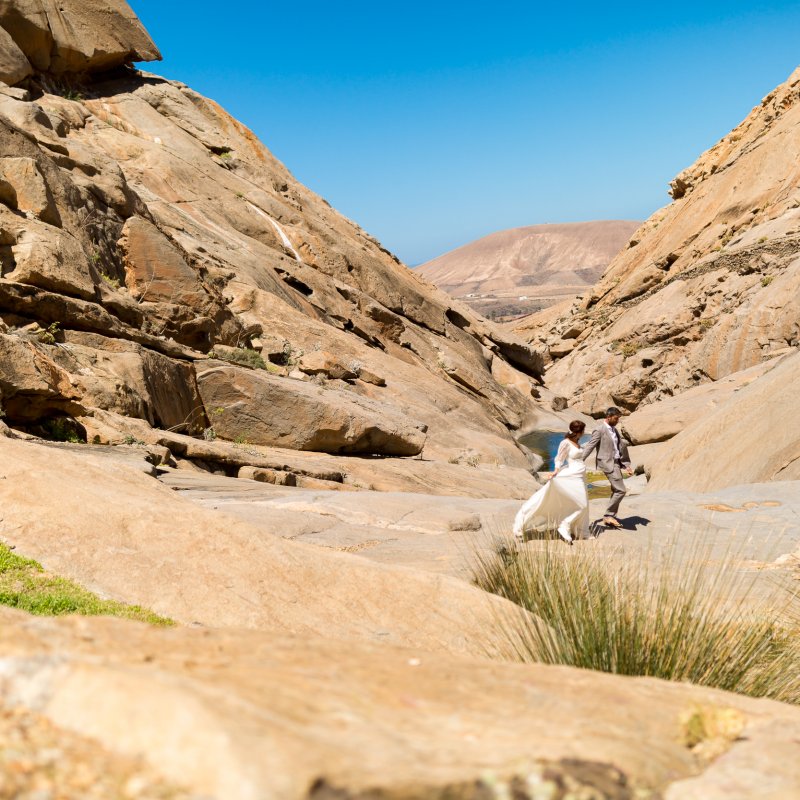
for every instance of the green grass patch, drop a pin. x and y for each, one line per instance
(25, 585)
(677, 617)
(597, 492)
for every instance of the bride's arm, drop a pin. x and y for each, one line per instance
(562, 455)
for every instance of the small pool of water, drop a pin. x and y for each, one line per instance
(545, 444)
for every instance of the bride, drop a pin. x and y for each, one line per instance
(563, 499)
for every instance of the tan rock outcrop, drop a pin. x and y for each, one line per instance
(750, 438)
(710, 285)
(293, 717)
(77, 35)
(105, 524)
(254, 406)
(664, 419)
(32, 386)
(23, 187)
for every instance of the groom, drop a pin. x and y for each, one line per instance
(613, 459)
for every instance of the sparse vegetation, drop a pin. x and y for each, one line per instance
(25, 585)
(74, 95)
(766, 280)
(707, 322)
(63, 429)
(762, 240)
(677, 618)
(50, 334)
(112, 282)
(629, 349)
(291, 355)
(241, 356)
(209, 434)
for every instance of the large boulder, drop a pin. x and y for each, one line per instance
(751, 438)
(23, 188)
(51, 259)
(155, 268)
(14, 67)
(77, 35)
(132, 380)
(260, 408)
(31, 384)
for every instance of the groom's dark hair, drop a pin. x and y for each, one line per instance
(613, 412)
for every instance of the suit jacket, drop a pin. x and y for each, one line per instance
(603, 441)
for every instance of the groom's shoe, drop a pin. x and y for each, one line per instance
(611, 522)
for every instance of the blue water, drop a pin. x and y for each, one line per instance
(545, 444)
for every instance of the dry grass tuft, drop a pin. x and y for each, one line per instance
(680, 618)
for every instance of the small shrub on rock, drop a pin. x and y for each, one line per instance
(242, 357)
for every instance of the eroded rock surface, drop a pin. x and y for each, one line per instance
(117, 531)
(75, 36)
(750, 438)
(285, 716)
(133, 243)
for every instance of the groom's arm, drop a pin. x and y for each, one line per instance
(592, 444)
(623, 452)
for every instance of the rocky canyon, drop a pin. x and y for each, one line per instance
(260, 455)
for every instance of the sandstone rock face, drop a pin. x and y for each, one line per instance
(254, 406)
(90, 516)
(750, 438)
(31, 384)
(76, 35)
(23, 187)
(657, 422)
(524, 269)
(709, 285)
(131, 216)
(283, 713)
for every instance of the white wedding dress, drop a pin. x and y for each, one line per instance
(563, 502)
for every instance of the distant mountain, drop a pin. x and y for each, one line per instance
(521, 270)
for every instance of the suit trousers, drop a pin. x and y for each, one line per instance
(618, 490)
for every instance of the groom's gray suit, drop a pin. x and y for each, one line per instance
(607, 460)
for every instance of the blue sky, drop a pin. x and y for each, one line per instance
(432, 124)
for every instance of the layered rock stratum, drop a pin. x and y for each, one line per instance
(708, 286)
(520, 270)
